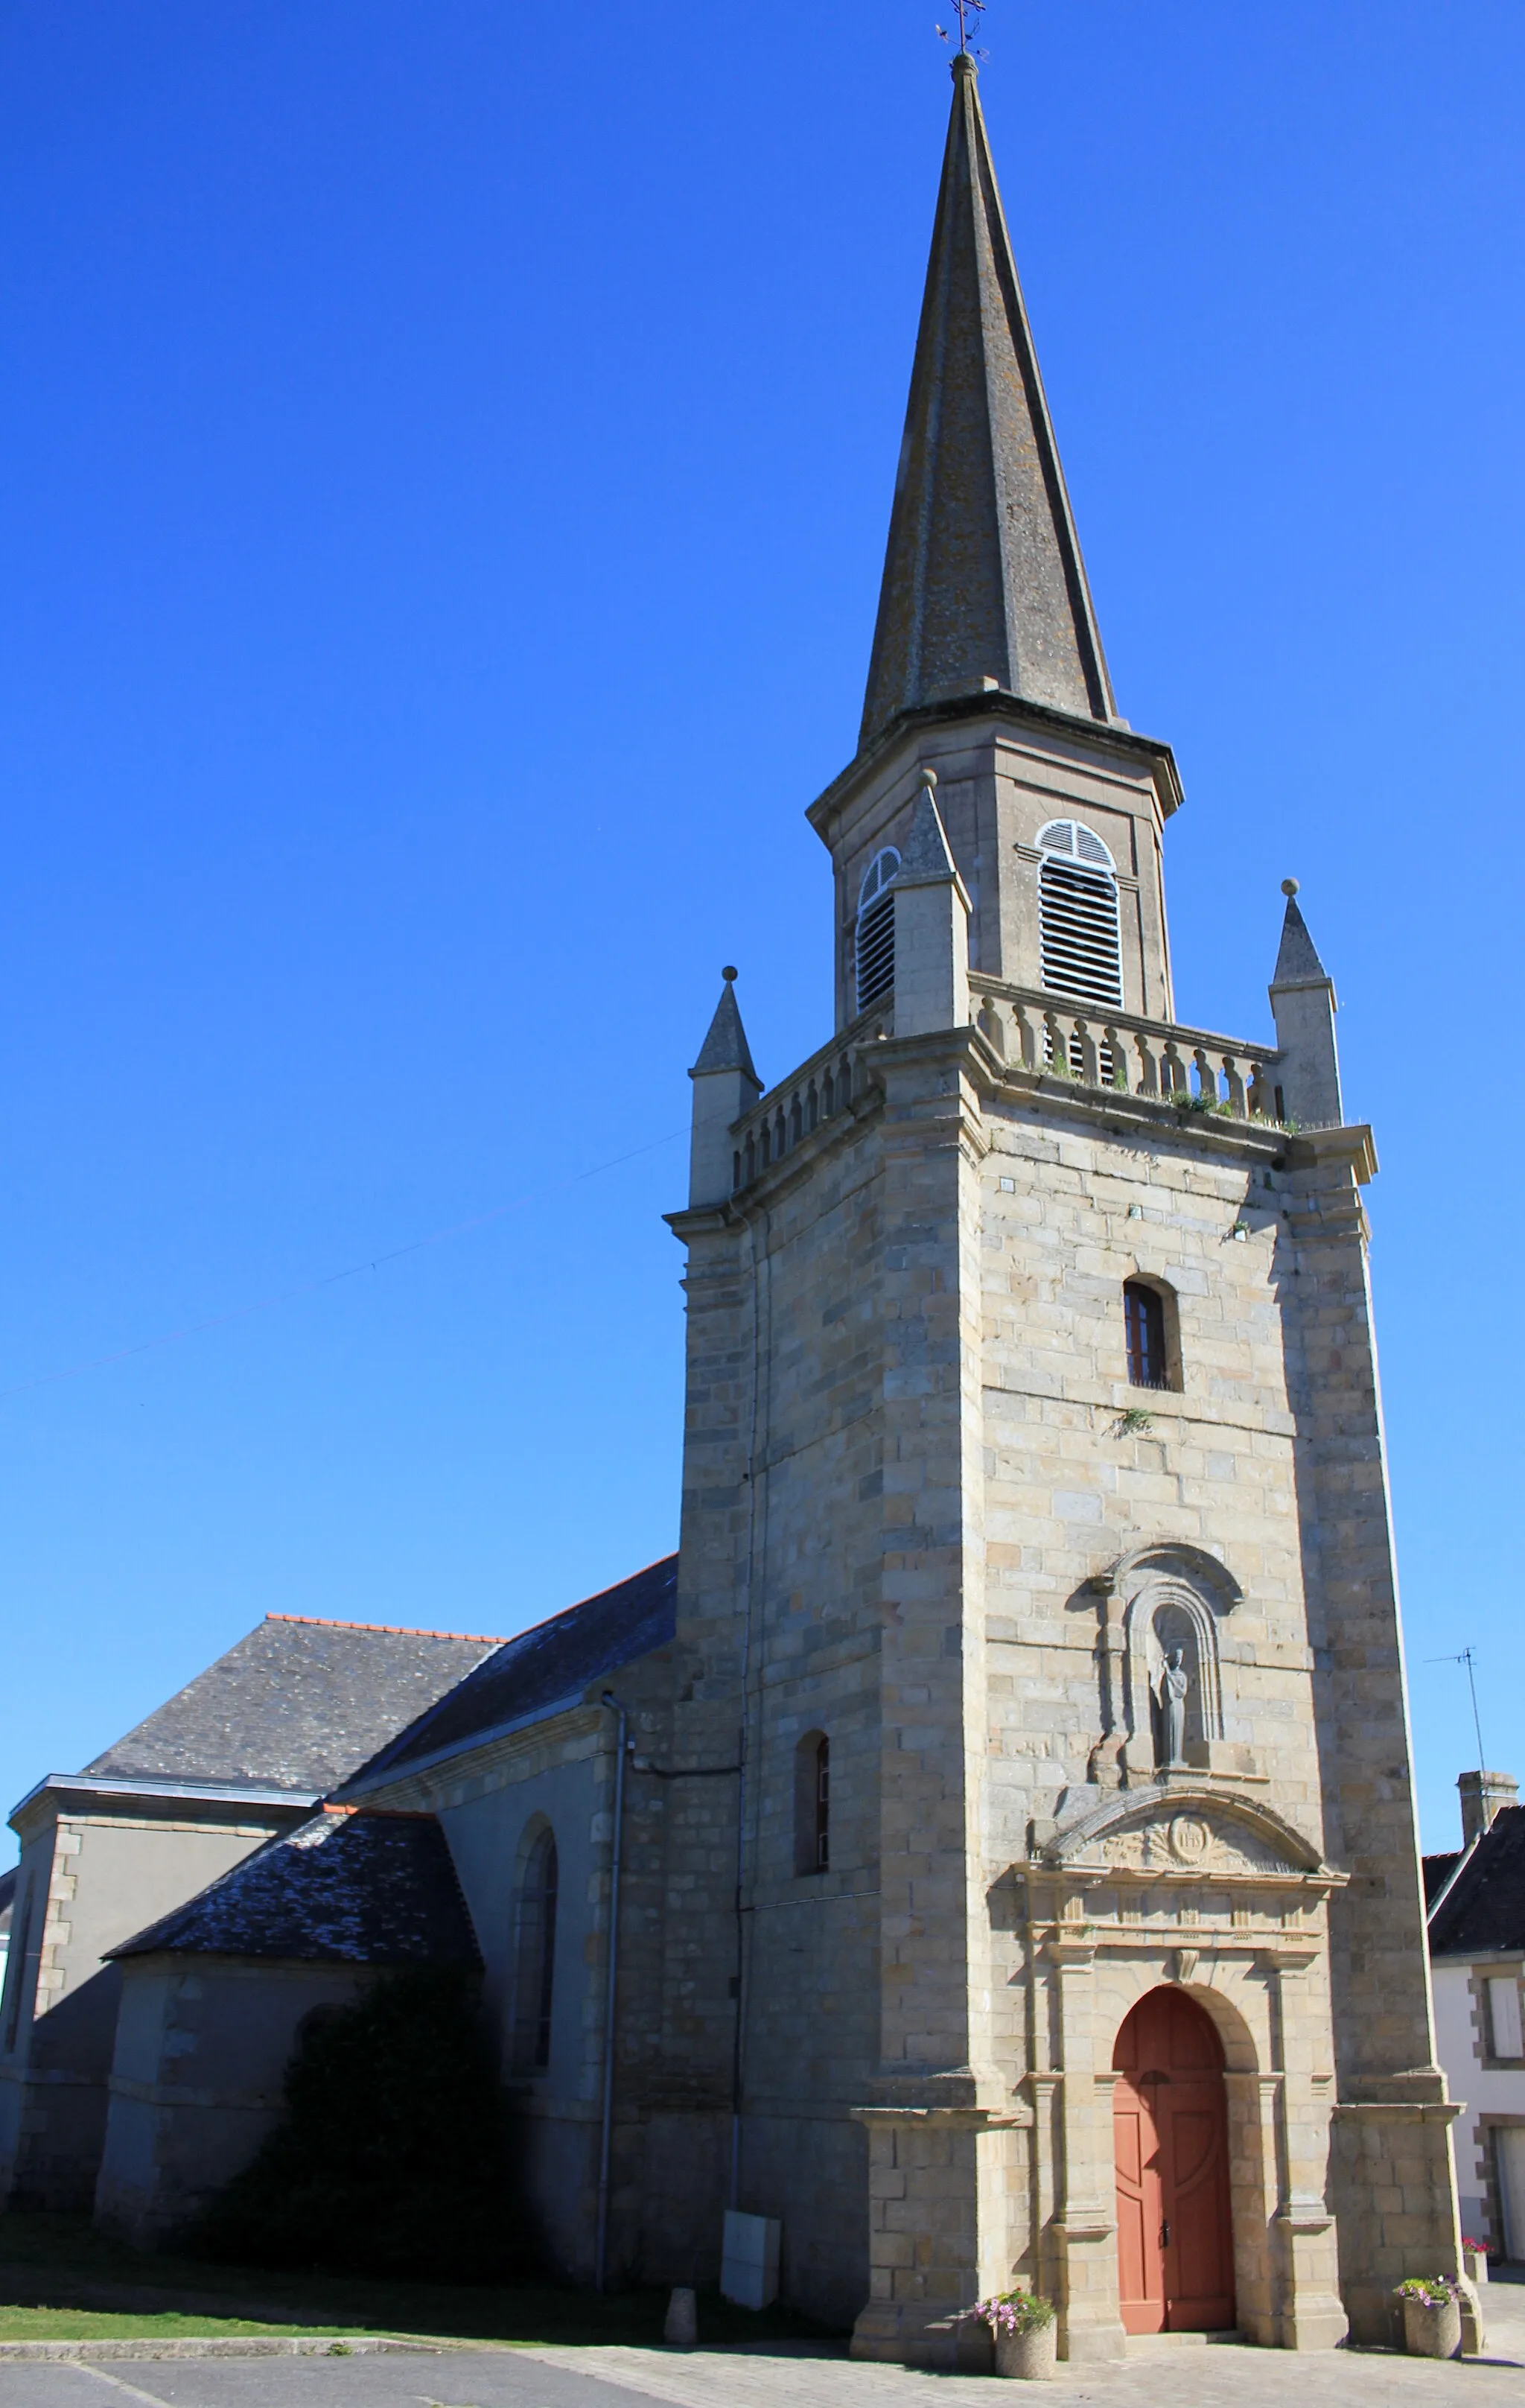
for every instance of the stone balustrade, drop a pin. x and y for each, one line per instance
(818, 1090)
(1034, 1030)
(1031, 1030)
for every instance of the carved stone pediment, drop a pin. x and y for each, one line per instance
(1185, 1832)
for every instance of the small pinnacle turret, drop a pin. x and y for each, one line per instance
(1297, 962)
(984, 584)
(1303, 1006)
(725, 1047)
(926, 852)
(725, 1084)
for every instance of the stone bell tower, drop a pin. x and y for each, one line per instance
(1063, 1922)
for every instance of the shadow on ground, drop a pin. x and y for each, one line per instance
(60, 2264)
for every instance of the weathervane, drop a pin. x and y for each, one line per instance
(968, 10)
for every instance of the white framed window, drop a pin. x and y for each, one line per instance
(1504, 2018)
(1080, 938)
(874, 939)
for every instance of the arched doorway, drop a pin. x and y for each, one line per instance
(1170, 2122)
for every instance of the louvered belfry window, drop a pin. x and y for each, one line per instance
(1077, 916)
(875, 942)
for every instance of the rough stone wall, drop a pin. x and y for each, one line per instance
(779, 1624)
(913, 1465)
(1392, 2185)
(1069, 1212)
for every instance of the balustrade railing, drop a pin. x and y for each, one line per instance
(1118, 1051)
(1115, 1052)
(818, 1090)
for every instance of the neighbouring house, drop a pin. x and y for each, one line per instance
(1476, 1918)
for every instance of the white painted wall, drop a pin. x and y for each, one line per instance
(1487, 2090)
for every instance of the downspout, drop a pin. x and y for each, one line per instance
(738, 2027)
(605, 2135)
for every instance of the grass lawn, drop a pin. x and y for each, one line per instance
(62, 2281)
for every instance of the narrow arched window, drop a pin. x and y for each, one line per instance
(813, 1803)
(1143, 1320)
(534, 1969)
(16, 1968)
(1080, 941)
(873, 950)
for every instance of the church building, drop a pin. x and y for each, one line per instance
(987, 1849)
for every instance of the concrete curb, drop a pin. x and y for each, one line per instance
(214, 2346)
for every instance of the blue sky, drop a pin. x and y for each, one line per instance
(446, 456)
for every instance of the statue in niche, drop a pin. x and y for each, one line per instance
(1170, 1686)
(1175, 1684)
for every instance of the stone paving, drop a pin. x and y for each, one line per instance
(1156, 2374)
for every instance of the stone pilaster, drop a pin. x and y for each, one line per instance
(1309, 2314)
(1085, 2226)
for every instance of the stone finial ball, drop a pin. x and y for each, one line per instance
(730, 971)
(1289, 886)
(927, 775)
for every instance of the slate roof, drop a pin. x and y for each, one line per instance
(983, 576)
(351, 1888)
(1297, 958)
(297, 1705)
(1485, 1906)
(1437, 1872)
(725, 1047)
(543, 1667)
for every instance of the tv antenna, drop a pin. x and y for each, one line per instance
(1467, 1657)
(967, 11)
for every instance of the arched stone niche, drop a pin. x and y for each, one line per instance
(1163, 1677)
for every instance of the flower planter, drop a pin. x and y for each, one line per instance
(1030, 2357)
(1475, 2265)
(1433, 2330)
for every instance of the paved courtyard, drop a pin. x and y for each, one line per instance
(1159, 2374)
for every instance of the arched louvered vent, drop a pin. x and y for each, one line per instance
(875, 936)
(1077, 915)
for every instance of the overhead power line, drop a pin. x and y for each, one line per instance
(333, 1279)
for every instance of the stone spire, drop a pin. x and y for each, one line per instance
(983, 577)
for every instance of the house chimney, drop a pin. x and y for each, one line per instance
(1482, 1795)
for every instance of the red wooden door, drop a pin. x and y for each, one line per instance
(1170, 2125)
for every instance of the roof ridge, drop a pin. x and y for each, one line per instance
(394, 1630)
(595, 1597)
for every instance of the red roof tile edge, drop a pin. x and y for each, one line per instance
(395, 1630)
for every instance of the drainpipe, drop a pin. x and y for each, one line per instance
(606, 2122)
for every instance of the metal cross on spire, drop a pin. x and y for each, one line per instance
(967, 11)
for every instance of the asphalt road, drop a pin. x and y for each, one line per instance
(1157, 2375)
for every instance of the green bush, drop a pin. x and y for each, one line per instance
(393, 2158)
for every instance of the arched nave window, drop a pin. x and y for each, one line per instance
(534, 1956)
